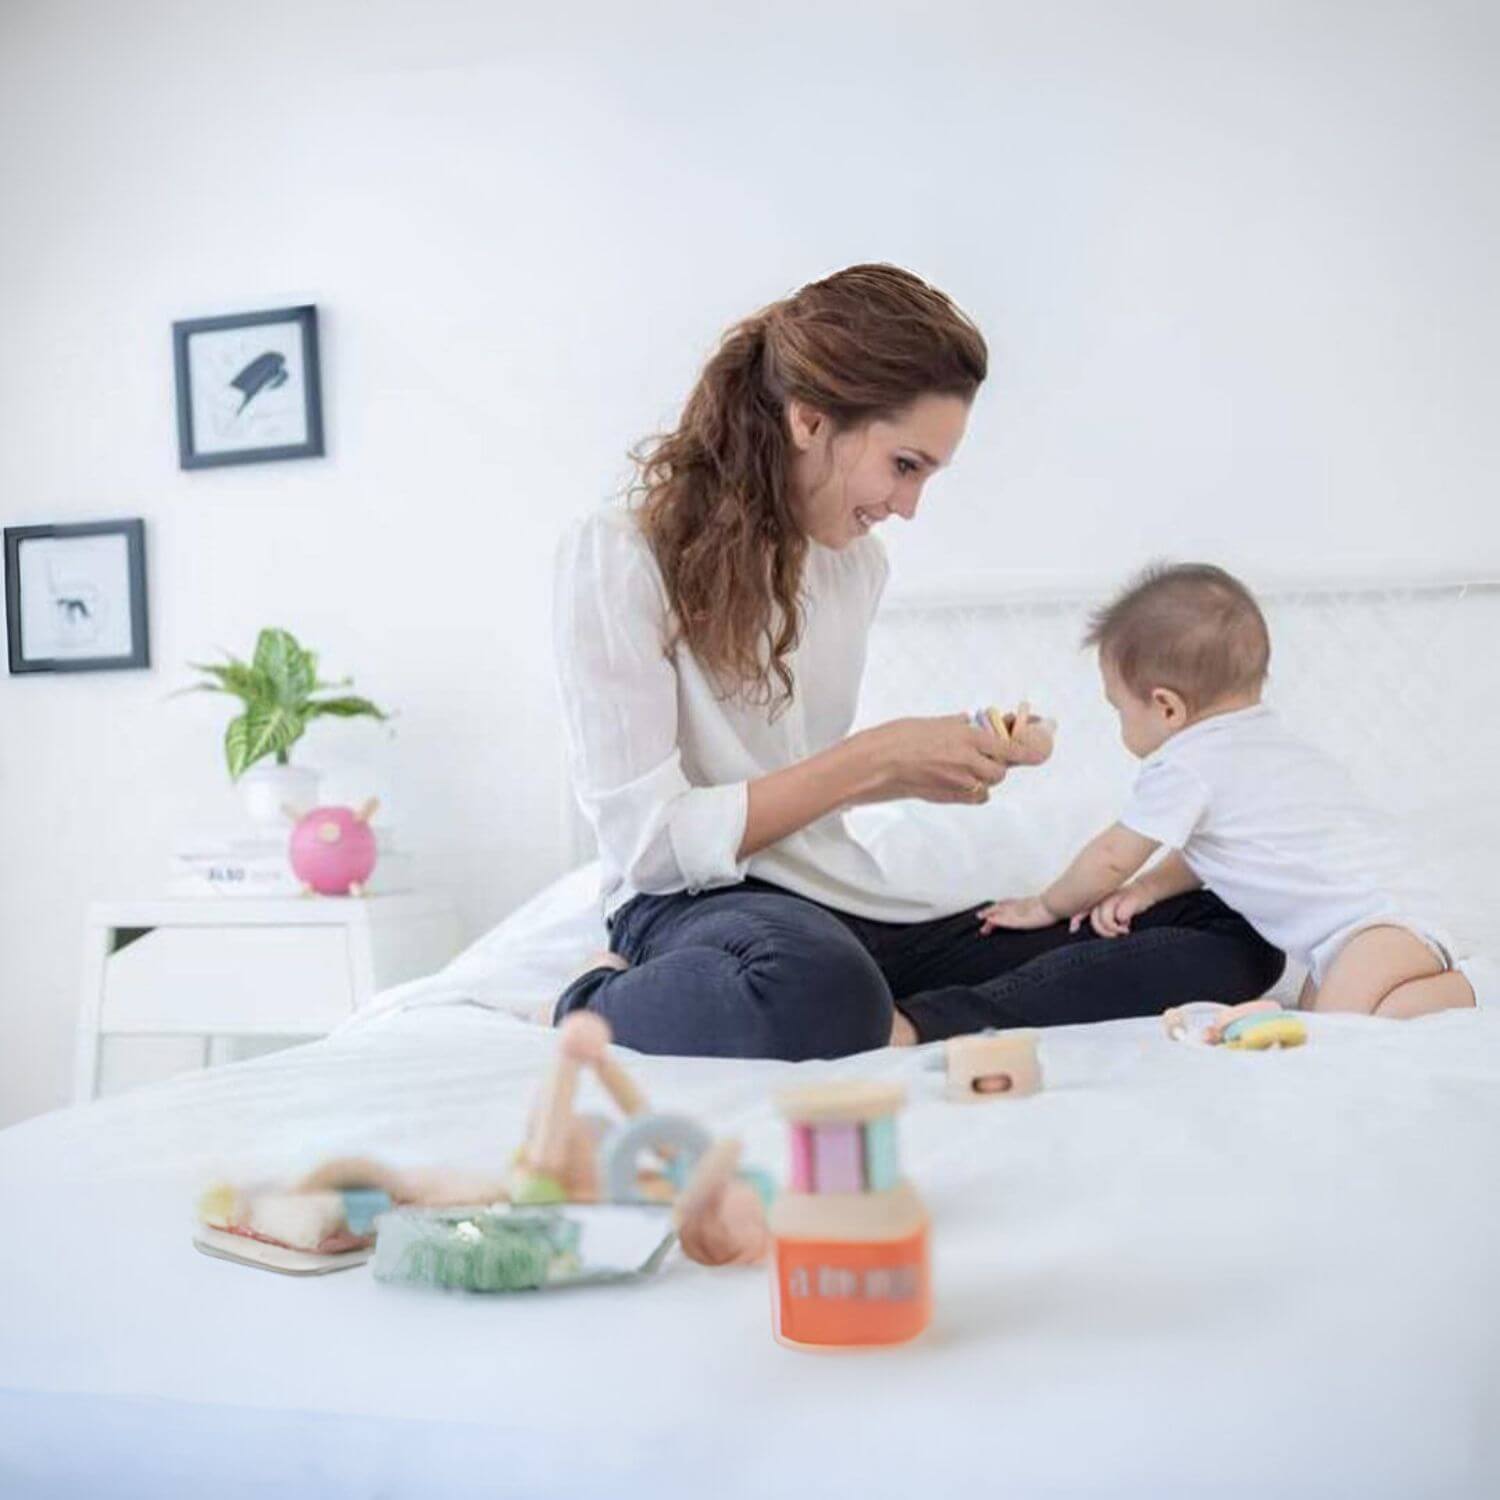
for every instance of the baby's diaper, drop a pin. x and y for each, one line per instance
(1320, 960)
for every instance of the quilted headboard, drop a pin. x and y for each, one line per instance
(1400, 680)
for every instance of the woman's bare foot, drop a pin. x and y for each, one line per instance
(542, 1015)
(903, 1033)
(604, 960)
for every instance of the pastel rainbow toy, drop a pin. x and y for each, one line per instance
(850, 1262)
(1257, 1033)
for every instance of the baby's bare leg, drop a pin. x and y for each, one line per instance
(1389, 971)
(1420, 997)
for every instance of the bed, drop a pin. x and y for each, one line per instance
(1174, 1272)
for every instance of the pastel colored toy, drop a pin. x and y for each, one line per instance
(721, 1215)
(1254, 1026)
(322, 1230)
(993, 1066)
(560, 1160)
(1026, 737)
(326, 1221)
(510, 1251)
(459, 1228)
(850, 1260)
(678, 1141)
(333, 849)
(1257, 1033)
(507, 1249)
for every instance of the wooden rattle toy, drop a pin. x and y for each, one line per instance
(1002, 1066)
(850, 1260)
(1025, 737)
(721, 1216)
(1254, 1026)
(569, 1157)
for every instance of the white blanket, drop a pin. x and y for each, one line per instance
(1175, 1272)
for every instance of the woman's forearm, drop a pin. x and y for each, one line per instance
(799, 794)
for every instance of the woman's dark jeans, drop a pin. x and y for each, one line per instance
(751, 970)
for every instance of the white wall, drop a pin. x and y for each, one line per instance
(1235, 261)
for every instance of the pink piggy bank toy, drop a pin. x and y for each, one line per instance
(333, 849)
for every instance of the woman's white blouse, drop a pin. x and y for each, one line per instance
(661, 763)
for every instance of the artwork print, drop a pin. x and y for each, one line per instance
(248, 388)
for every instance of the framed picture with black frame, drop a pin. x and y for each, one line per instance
(248, 388)
(75, 597)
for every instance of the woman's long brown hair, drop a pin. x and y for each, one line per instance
(713, 497)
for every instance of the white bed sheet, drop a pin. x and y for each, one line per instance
(1175, 1272)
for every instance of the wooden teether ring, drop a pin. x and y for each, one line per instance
(675, 1137)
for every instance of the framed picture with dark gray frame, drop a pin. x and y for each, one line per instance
(248, 388)
(75, 597)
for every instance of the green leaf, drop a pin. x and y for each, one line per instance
(262, 730)
(345, 708)
(235, 677)
(288, 667)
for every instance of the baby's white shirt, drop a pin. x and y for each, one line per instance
(1277, 829)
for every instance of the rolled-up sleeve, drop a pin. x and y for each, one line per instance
(657, 832)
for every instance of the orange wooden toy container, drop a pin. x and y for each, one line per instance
(850, 1264)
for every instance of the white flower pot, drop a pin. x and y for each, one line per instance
(269, 790)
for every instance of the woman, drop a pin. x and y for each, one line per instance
(710, 644)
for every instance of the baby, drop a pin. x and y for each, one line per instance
(1245, 808)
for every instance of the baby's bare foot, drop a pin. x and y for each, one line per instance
(903, 1033)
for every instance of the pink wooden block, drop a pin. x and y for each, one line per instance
(800, 1137)
(838, 1159)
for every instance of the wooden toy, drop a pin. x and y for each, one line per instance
(992, 1066)
(576, 1158)
(721, 1217)
(1254, 1026)
(1258, 1033)
(850, 1261)
(1025, 737)
(456, 1229)
(325, 1221)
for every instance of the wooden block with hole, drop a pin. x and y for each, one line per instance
(1000, 1065)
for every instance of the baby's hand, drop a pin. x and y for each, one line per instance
(1112, 916)
(1022, 912)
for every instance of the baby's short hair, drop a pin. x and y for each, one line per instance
(1190, 627)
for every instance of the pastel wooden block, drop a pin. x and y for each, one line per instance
(1000, 1066)
(838, 1159)
(846, 1101)
(802, 1163)
(882, 1162)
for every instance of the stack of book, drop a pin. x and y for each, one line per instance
(253, 861)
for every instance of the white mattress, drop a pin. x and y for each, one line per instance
(1176, 1272)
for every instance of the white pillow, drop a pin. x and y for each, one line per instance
(530, 957)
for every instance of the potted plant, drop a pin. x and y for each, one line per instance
(282, 695)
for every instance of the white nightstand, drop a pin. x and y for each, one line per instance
(232, 967)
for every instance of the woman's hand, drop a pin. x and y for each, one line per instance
(944, 759)
(1021, 912)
